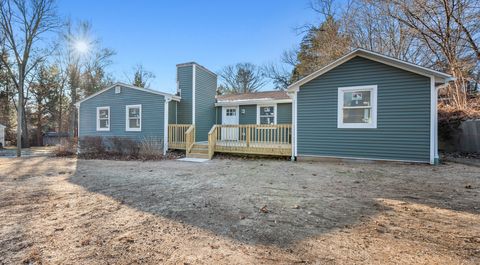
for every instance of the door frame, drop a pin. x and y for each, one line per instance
(232, 132)
(224, 113)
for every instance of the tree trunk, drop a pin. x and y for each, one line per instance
(20, 114)
(25, 134)
(73, 111)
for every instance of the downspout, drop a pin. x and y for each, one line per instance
(165, 125)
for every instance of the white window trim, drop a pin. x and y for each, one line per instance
(373, 123)
(274, 112)
(127, 118)
(98, 118)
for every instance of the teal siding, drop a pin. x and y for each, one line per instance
(152, 113)
(250, 115)
(403, 114)
(184, 108)
(205, 91)
(172, 112)
(218, 114)
(284, 113)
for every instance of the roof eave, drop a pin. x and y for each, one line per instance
(375, 57)
(251, 102)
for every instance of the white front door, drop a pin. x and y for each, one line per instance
(230, 117)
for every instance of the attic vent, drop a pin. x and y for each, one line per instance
(118, 90)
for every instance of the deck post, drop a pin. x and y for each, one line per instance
(248, 136)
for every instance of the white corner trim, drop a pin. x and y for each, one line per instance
(127, 118)
(433, 120)
(373, 112)
(98, 118)
(165, 125)
(294, 123)
(194, 81)
(274, 105)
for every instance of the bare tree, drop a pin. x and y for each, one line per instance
(450, 30)
(242, 78)
(141, 76)
(82, 61)
(22, 23)
(279, 74)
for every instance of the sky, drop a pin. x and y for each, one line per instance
(161, 34)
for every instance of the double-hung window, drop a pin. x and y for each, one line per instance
(103, 118)
(357, 107)
(266, 115)
(133, 118)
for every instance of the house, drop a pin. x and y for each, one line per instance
(362, 106)
(2, 135)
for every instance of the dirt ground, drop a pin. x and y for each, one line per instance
(68, 211)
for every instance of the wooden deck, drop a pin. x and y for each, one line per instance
(240, 139)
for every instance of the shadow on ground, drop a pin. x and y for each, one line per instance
(268, 202)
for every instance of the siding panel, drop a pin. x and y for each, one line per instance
(403, 114)
(152, 113)
(205, 91)
(284, 113)
(184, 109)
(250, 115)
(172, 112)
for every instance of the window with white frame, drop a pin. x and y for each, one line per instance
(103, 119)
(357, 107)
(134, 118)
(266, 115)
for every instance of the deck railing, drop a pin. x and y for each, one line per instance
(212, 141)
(176, 135)
(189, 138)
(251, 139)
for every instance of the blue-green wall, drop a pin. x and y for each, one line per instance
(403, 114)
(284, 113)
(172, 112)
(184, 107)
(205, 91)
(152, 113)
(248, 114)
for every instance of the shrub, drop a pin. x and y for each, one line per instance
(151, 148)
(92, 145)
(123, 147)
(66, 148)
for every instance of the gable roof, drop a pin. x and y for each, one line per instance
(167, 95)
(253, 98)
(374, 56)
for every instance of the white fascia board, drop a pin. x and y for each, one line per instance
(174, 97)
(439, 76)
(251, 102)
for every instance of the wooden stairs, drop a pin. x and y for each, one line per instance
(199, 150)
